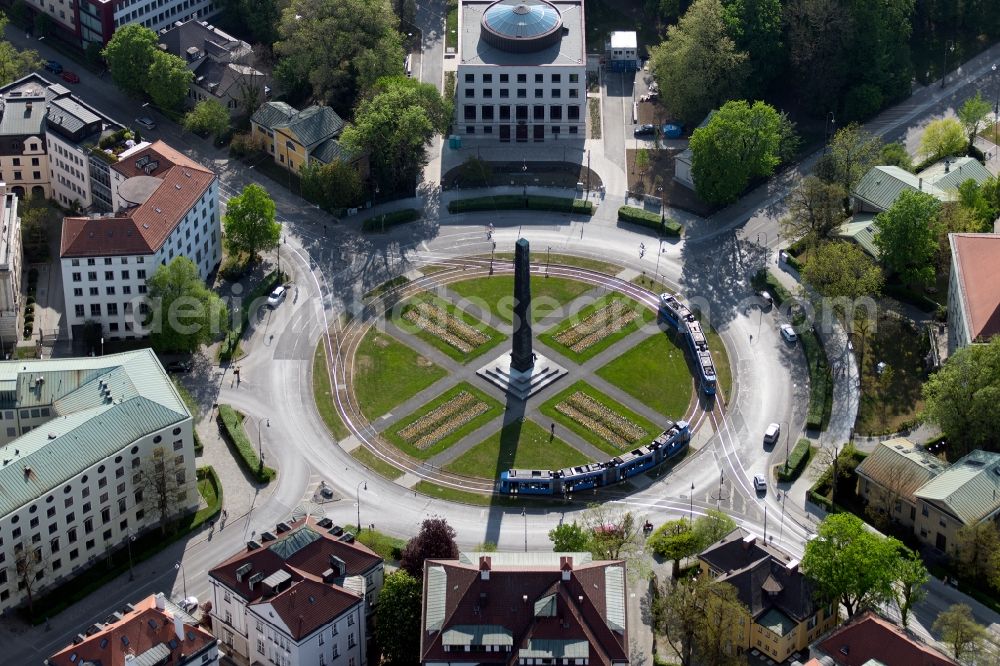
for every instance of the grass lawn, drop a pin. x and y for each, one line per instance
(656, 373)
(391, 433)
(323, 396)
(497, 293)
(388, 285)
(389, 547)
(451, 26)
(887, 405)
(568, 260)
(376, 464)
(382, 361)
(522, 444)
(723, 371)
(453, 494)
(495, 337)
(647, 282)
(549, 409)
(549, 337)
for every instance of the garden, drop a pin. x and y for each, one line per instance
(600, 420)
(524, 445)
(597, 327)
(654, 372)
(443, 421)
(449, 329)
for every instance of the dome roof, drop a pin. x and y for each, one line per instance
(521, 25)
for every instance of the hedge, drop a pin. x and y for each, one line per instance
(906, 295)
(518, 202)
(232, 340)
(387, 220)
(797, 461)
(235, 434)
(820, 381)
(648, 219)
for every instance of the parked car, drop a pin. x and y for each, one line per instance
(146, 122)
(644, 130)
(788, 333)
(759, 484)
(766, 297)
(179, 367)
(70, 77)
(772, 433)
(276, 297)
(673, 130)
(54, 66)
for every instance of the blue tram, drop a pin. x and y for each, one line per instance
(678, 315)
(669, 444)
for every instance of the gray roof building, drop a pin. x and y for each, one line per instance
(969, 489)
(881, 186)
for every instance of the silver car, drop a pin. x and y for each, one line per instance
(145, 122)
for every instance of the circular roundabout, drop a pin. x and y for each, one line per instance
(423, 409)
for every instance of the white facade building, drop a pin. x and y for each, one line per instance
(10, 269)
(304, 594)
(522, 70)
(167, 206)
(91, 450)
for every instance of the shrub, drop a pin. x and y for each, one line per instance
(820, 380)
(797, 461)
(236, 436)
(383, 222)
(766, 281)
(517, 202)
(907, 295)
(650, 220)
(241, 145)
(31, 300)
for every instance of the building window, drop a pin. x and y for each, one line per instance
(539, 93)
(470, 112)
(470, 92)
(488, 93)
(504, 93)
(539, 78)
(574, 78)
(574, 93)
(487, 112)
(539, 112)
(556, 93)
(573, 111)
(470, 78)
(76, 277)
(522, 93)
(555, 112)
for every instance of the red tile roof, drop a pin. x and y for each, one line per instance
(310, 605)
(978, 260)
(139, 630)
(144, 228)
(869, 636)
(508, 600)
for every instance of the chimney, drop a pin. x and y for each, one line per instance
(161, 601)
(484, 567)
(338, 565)
(920, 184)
(566, 566)
(179, 629)
(749, 540)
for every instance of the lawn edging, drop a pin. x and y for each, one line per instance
(231, 427)
(518, 202)
(644, 218)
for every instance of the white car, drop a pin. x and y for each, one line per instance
(766, 297)
(772, 433)
(759, 484)
(788, 333)
(276, 297)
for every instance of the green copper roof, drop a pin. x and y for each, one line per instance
(970, 488)
(777, 622)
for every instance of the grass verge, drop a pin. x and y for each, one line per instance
(391, 433)
(520, 444)
(453, 494)
(117, 563)
(723, 370)
(323, 394)
(451, 26)
(571, 260)
(496, 293)
(383, 361)
(645, 316)
(655, 372)
(231, 426)
(494, 336)
(594, 105)
(549, 409)
(376, 464)
(389, 547)
(388, 285)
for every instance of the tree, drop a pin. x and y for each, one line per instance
(906, 236)
(674, 540)
(569, 538)
(14, 62)
(978, 546)
(642, 160)
(853, 152)
(185, 314)
(849, 563)
(615, 534)
(435, 541)
(895, 154)
(338, 48)
(35, 220)
(207, 117)
(911, 576)
(700, 617)
(978, 207)
(961, 398)
(840, 269)
(972, 115)
(29, 567)
(332, 186)
(397, 618)
(129, 55)
(958, 628)
(818, 34)
(168, 80)
(740, 142)
(394, 126)
(815, 209)
(249, 222)
(711, 527)
(756, 28)
(698, 62)
(162, 486)
(942, 138)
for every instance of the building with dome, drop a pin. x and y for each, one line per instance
(521, 72)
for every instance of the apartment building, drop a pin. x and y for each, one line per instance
(150, 632)
(521, 73)
(302, 594)
(965, 494)
(973, 289)
(784, 615)
(296, 139)
(92, 451)
(524, 608)
(869, 639)
(10, 270)
(166, 206)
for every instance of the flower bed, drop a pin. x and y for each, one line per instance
(434, 426)
(439, 322)
(610, 319)
(606, 423)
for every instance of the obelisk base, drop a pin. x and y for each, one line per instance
(521, 384)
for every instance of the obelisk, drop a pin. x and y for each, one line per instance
(521, 356)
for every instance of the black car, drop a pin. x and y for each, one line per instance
(644, 130)
(179, 367)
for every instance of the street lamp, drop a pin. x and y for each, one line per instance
(358, 493)
(996, 109)
(180, 567)
(492, 254)
(785, 424)
(524, 184)
(525, 516)
(830, 120)
(102, 345)
(260, 447)
(658, 255)
(547, 251)
(948, 46)
(130, 538)
(691, 505)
